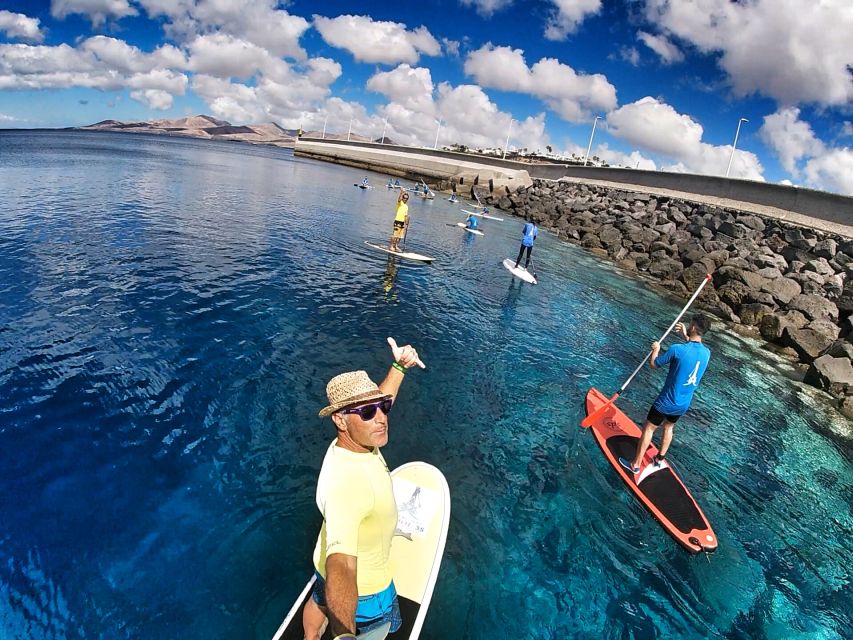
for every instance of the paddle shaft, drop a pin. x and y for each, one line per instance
(667, 332)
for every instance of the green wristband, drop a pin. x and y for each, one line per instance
(399, 367)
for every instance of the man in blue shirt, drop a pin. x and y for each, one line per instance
(687, 363)
(471, 221)
(528, 235)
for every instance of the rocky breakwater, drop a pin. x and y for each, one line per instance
(792, 286)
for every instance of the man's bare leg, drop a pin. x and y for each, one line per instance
(645, 441)
(666, 439)
(313, 620)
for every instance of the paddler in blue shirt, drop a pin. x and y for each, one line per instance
(471, 222)
(687, 364)
(364, 182)
(528, 235)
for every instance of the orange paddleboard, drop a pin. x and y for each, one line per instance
(658, 487)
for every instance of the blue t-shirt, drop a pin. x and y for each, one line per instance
(472, 222)
(687, 363)
(530, 232)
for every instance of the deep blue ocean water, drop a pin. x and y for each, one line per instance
(170, 311)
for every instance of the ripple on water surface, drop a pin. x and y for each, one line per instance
(170, 311)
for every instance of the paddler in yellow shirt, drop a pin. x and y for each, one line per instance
(401, 221)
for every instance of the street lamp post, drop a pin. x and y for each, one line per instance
(382, 141)
(734, 144)
(589, 147)
(435, 145)
(506, 145)
(325, 122)
(350, 129)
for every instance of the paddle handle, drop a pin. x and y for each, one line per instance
(667, 332)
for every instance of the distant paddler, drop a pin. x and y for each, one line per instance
(401, 221)
(528, 236)
(364, 183)
(472, 222)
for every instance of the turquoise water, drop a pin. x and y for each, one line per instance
(170, 311)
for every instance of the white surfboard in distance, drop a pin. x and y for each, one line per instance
(519, 272)
(476, 232)
(408, 255)
(482, 215)
(423, 516)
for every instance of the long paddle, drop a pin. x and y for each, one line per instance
(592, 417)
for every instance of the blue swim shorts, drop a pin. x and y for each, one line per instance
(372, 611)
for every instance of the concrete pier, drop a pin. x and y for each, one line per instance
(442, 171)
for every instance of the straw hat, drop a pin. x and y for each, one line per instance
(347, 389)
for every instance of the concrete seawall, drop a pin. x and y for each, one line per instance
(828, 207)
(415, 163)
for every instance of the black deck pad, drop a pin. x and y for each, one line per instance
(662, 489)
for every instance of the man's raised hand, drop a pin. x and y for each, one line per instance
(405, 355)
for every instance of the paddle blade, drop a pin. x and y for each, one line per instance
(587, 422)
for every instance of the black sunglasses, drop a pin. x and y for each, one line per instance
(367, 411)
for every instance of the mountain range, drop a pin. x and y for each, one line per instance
(210, 128)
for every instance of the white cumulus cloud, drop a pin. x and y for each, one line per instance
(153, 98)
(568, 16)
(783, 49)
(259, 22)
(468, 115)
(18, 25)
(486, 8)
(613, 157)
(223, 55)
(375, 41)
(832, 171)
(572, 95)
(97, 63)
(657, 127)
(795, 143)
(661, 45)
(791, 138)
(98, 11)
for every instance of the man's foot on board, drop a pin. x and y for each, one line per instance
(658, 460)
(629, 466)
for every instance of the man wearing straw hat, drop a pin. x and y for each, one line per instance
(354, 588)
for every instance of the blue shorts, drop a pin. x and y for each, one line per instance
(372, 611)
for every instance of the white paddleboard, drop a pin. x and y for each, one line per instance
(482, 215)
(476, 232)
(520, 272)
(423, 516)
(400, 254)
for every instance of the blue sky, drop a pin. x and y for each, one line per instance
(670, 79)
